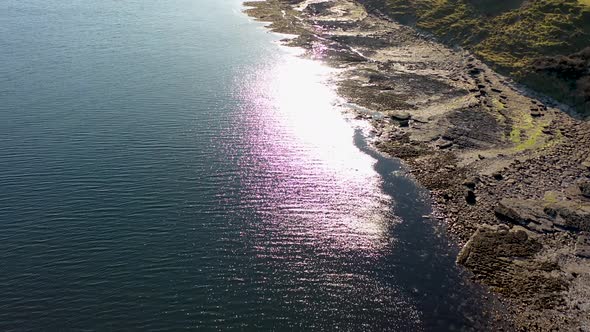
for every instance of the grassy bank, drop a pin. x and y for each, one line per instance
(537, 42)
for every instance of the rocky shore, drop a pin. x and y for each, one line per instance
(509, 171)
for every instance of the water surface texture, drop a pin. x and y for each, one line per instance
(167, 165)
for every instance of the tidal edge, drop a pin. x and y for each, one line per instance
(509, 170)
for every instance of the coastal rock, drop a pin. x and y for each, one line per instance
(421, 119)
(400, 116)
(527, 213)
(490, 243)
(545, 217)
(570, 215)
(319, 8)
(583, 246)
(462, 135)
(503, 259)
(445, 144)
(584, 186)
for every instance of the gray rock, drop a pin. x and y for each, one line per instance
(401, 116)
(575, 216)
(543, 217)
(421, 119)
(489, 243)
(449, 136)
(520, 212)
(584, 186)
(583, 246)
(445, 145)
(320, 8)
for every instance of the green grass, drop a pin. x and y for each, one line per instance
(498, 105)
(509, 34)
(550, 197)
(527, 134)
(532, 141)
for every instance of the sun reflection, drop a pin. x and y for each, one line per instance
(309, 181)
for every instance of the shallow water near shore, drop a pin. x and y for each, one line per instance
(169, 165)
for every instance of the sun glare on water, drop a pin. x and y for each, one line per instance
(311, 181)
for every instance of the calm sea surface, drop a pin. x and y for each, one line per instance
(167, 165)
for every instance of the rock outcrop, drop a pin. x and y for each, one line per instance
(502, 258)
(543, 217)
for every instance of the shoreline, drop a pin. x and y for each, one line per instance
(508, 173)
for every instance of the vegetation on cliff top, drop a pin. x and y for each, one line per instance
(538, 42)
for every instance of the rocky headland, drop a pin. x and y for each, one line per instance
(509, 170)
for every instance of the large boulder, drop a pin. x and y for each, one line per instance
(545, 217)
(504, 259)
(527, 213)
(490, 242)
(400, 116)
(575, 216)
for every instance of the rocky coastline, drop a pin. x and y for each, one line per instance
(509, 171)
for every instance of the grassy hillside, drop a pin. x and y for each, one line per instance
(539, 42)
